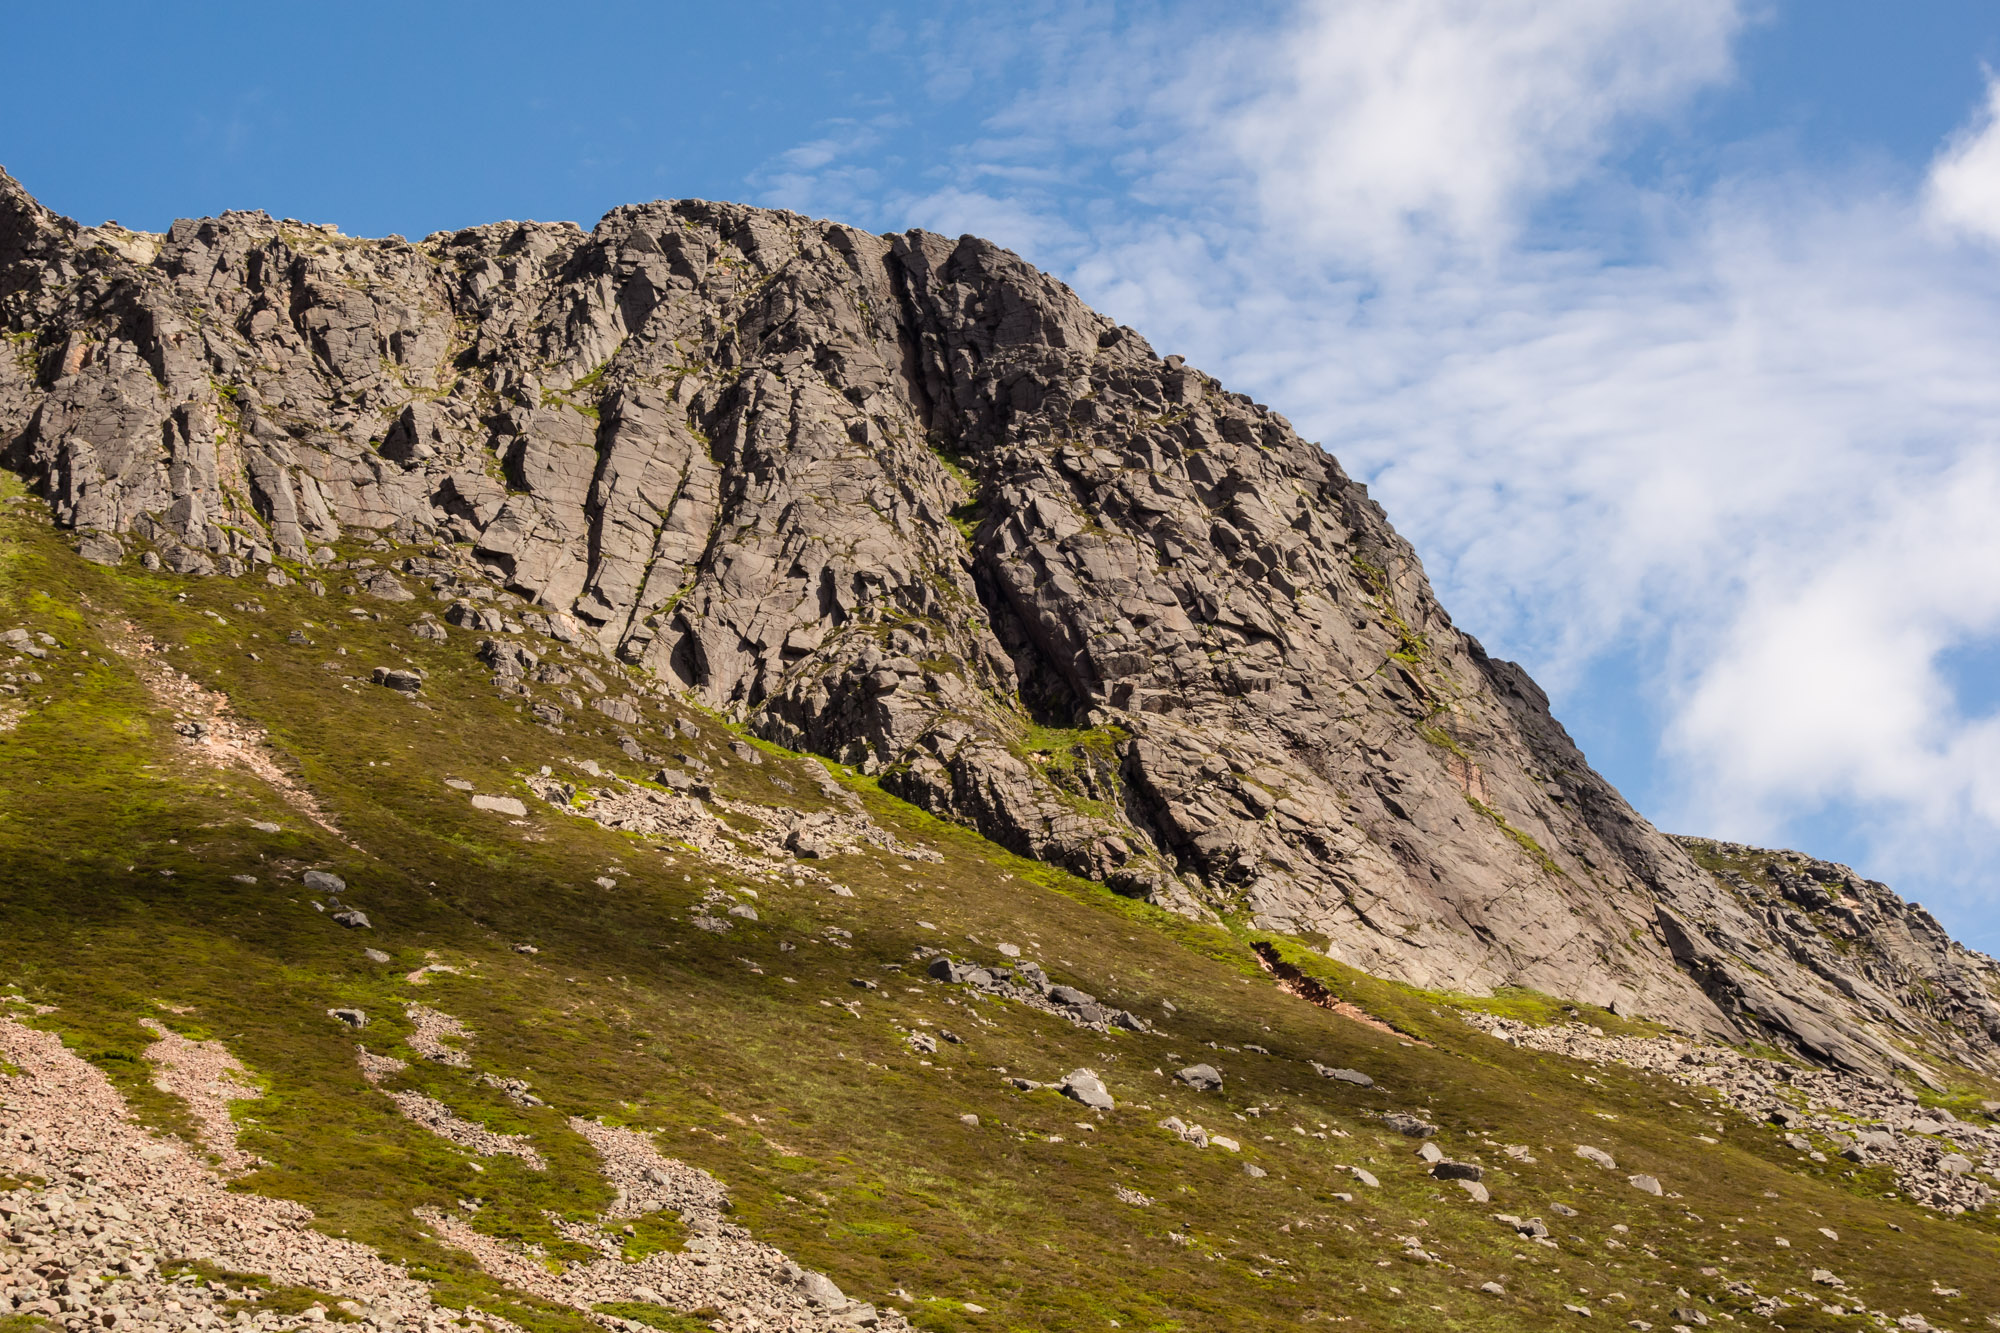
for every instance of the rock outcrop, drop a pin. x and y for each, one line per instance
(906, 502)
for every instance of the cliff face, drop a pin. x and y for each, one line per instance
(907, 502)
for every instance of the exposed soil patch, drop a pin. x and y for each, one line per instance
(1294, 982)
(212, 732)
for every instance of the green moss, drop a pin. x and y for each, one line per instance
(1081, 763)
(655, 1233)
(1443, 739)
(1520, 839)
(954, 465)
(256, 1292)
(659, 1317)
(1412, 648)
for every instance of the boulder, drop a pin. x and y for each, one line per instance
(101, 549)
(398, 678)
(1354, 1076)
(949, 969)
(1202, 1078)
(1085, 1086)
(500, 805)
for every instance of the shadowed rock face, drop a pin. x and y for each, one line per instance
(907, 502)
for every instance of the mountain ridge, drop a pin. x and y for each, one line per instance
(907, 503)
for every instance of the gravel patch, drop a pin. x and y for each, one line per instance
(440, 1120)
(432, 1030)
(120, 1200)
(205, 1076)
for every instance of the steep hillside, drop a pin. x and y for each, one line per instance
(485, 994)
(906, 503)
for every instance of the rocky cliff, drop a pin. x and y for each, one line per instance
(906, 502)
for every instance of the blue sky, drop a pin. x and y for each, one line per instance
(1666, 332)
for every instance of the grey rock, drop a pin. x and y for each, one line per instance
(500, 805)
(620, 710)
(322, 881)
(354, 1018)
(385, 587)
(818, 1288)
(1597, 1156)
(1402, 1122)
(509, 660)
(1648, 1184)
(1255, 1172)
(1070, 995)
(1354, 1076)
(375, 955)
(1449, 1170)
(352, 919)
(683, 782)
(948, 969)
(1202, 1078)
(466, 615)
(1085, 1086)
(398, 678)
(100, 549)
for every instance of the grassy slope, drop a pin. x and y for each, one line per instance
(837, 1144)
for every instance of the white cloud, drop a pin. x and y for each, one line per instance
(1378, 122)
(1964, 186)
